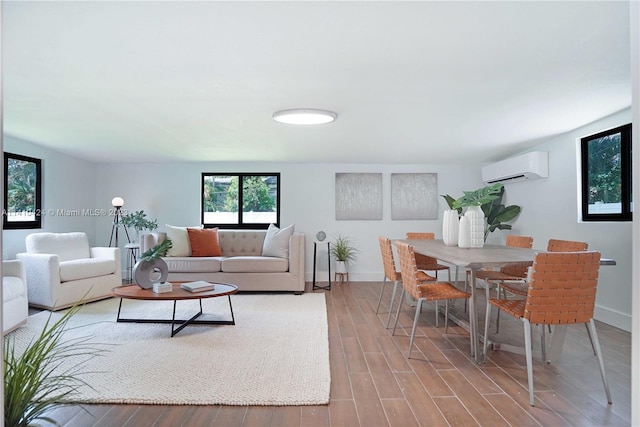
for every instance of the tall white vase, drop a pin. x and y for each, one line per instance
(476, 219)
(464, 233)
(450, 227)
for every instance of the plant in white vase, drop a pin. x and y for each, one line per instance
(139, 222)
(489, 200)
(343, 251)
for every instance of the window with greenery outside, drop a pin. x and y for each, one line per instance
(606, 175)
(240, 200)
(22, 195)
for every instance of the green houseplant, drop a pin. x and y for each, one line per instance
(139, 222)
(344, 252)
(489, 198)
(36, 379)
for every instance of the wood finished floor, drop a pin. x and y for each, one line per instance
(374, 384)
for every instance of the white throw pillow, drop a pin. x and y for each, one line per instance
(180, 239)
(276, 242)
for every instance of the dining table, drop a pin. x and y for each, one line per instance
(489, 256)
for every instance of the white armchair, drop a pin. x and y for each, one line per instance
(15, 308)
(62, 270)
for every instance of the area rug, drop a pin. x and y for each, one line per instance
(277, 353)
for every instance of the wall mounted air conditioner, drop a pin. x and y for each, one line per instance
(533, 165)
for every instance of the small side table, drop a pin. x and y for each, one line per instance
(132, 257)
(341, 278)
(315, 250)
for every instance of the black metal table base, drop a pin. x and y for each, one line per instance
(315, 247)
(181, 324)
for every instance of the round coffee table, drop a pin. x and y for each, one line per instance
(177, 294)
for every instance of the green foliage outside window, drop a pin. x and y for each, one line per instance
(21, 186)
(605, 175)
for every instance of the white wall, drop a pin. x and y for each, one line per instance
(550, 210)
(68, 183)
(171, 193)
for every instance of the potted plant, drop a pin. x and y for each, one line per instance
(35, 381)
(343, 251)
(489, 198)
(151, 268)
(139, 222)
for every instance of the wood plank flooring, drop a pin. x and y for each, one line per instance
(374, 384)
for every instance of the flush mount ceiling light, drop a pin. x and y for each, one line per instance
(304, 116)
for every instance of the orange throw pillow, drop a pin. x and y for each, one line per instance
(204, 242)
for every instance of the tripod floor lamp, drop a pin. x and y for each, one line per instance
(117, 203)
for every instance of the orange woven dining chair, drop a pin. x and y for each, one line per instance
(427, 263)
(390, 273)
(554, 245)
(421, 286)
(562, 291)
(509, 272)
(519, 288)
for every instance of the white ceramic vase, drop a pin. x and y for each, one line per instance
(450, 227)
(464, 232)
(476, 225)
(341, 267)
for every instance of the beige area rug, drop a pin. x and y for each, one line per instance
(277, 353)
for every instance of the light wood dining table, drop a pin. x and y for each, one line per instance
(491, 257)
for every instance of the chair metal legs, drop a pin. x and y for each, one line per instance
(596, 345)
(529, 357)
(384, 282)
(593, 334)
(393, 296)
(415, 324)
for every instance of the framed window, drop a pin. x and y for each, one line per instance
(240, 200)
(606, 175)
(22, 192)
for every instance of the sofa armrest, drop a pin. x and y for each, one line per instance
(149, 240)
(14, 268)
(102, 252)
(43, 276)
(296, 254)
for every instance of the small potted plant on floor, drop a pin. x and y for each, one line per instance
(344, 252)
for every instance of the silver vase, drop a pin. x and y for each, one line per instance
(146, 273)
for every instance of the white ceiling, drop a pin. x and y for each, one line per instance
(412, 82)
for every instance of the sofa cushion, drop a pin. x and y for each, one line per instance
(180, 239)
(193, 264)
(67, 246)
(85, 268)
(254, 264)
(12, 288)
(276, 242)
(204, 242)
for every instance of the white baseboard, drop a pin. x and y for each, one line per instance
(613, 318)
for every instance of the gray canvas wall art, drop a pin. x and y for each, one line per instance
(358, 196)
(414, 196)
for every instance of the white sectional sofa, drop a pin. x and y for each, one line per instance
(15, 306)
(242, 262)
(62, 270)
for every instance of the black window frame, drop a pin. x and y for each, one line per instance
(240, 224)
(22, 225)
(625, 172)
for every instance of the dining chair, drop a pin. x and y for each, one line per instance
(421, 286)
(427, 263)
(554, 245)
(511, 273)
(390, 273)
(562, 291)
(519, 288)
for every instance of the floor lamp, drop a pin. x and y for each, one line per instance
(117, 203)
